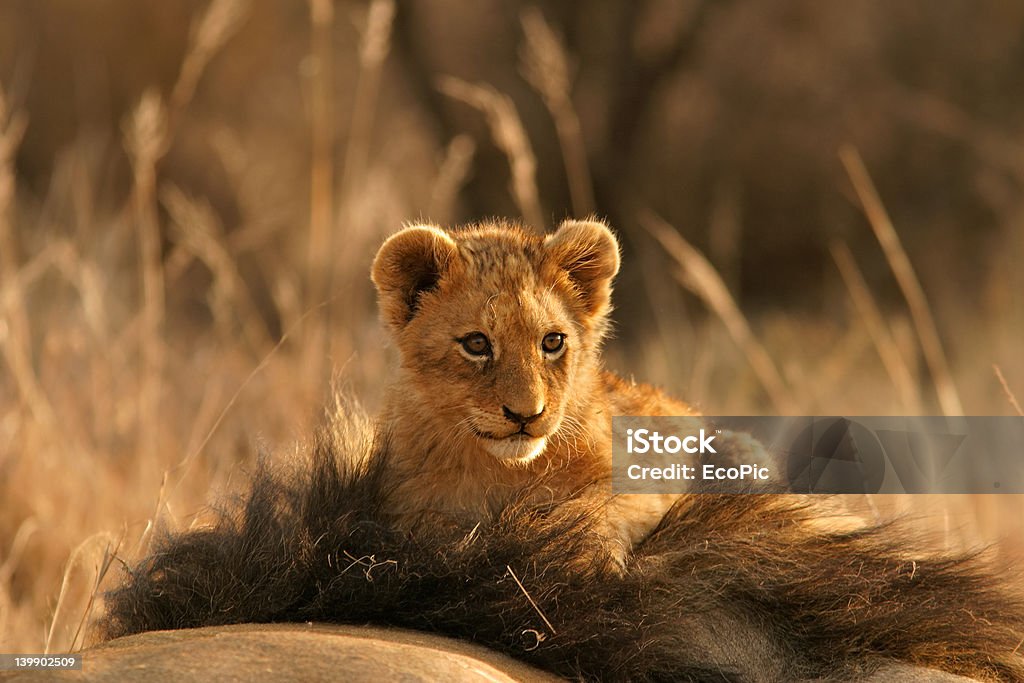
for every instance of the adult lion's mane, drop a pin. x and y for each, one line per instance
(728, 587)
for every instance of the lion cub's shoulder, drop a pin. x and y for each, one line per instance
(628, 397)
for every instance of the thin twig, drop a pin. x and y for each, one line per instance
(534, 604)
(1006, 390)
(880, 334)
(920, 312)
(701, 278)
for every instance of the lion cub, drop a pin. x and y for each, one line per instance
(499, 333)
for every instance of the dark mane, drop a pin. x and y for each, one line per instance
(726, 588)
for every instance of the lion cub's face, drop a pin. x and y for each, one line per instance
(496, 327)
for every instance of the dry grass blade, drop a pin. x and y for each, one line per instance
(887, 348)
(321, 181)
(219, 22)
(322, 132)
(1006, 390)
(146, 140)
(75, 559)
(186, 462)
(12, 129)
(508, 133)
(203, 235)
(544, 62)
(451, 176)
(109, 555)
(146, 132)
(373, 51)
(701, 278)
(26, 530)
(920, 312)
(14, 322)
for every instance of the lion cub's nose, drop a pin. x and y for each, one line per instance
(519, 418)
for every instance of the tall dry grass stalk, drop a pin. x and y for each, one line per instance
(79, 557)
(700, 277)
(321, 186)
(508, 133)
(874, 322)
(361, 200)
(219, 22)
(210, 32)
(110, 551)
(182, 467)
(452, 173)
(15, 333)
(373, 51)
(148, 133)
(146, 138)
(202, 234)
(917, 302)
(26, 530)
(544, 62)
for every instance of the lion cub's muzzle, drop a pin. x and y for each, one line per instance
(526, 440)
(520, 419)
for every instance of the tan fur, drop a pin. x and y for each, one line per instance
(445, 412)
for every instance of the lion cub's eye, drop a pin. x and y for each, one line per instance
(476, 344)
(552, 342)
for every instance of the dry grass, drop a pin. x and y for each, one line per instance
(545, 64)
(1010, 396)
(874, 323)
(698, 275)
(322, 133)
(452, 174)
(511, 138)
(898, 260)
(151, 349)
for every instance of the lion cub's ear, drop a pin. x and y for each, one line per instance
(589, 252)
(409, 263)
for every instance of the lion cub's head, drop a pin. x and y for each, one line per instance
(498, 329)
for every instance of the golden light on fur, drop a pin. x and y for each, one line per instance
(512, 450)
(499, 334)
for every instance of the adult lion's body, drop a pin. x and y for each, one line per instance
(501, 380)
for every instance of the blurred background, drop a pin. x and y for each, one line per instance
(821, 207)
